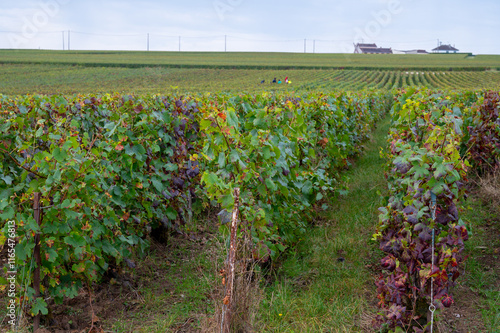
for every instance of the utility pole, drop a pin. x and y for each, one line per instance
(63, 39)
(179, 43)
(148, 41)
(305, 41)
(69, 40)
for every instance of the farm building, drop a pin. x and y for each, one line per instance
(371, 49)
(414, 52)
(445, 49)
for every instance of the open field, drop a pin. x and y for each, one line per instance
(70, 72)
(252, 60)
(51, 79)
(135, 158)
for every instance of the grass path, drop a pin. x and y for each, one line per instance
(327, 284)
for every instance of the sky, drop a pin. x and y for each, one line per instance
(318, 26)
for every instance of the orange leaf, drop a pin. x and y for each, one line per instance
(125, 216)
(222, 115)
(226, 300)
(139, 185)
(119, 147)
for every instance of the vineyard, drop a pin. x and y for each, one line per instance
(91, 182)
(252, 60)
(47, 79)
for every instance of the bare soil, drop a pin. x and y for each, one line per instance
(120, 295)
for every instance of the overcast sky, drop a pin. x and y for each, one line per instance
(250, 25)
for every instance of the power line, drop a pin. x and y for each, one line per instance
(224, 40)
(38, 32)
(110, 35)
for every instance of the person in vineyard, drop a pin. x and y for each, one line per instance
(286, 79)
(274, 81)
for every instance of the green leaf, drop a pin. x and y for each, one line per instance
(227, 201)
(23, 249)
(260, 123)
(232, 119)
(234, 156)
(211, 179)
(7, 179)
(171, 213)
(270, 185)
(440, 171)
(52, 254)
(59, 155)
(79, 268)
(222, 160)
(40, 306)
(4, 198)
(171, 167)
(439, 187)
(205, 124)
(112, 126)
(39, 132)
(266, 151)
(307, 188)
(7, 214)
(139, 152)
(281, 247)
(157, 184)
(75, 240)
(420, 171)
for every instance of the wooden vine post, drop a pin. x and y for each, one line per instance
(227, 309)
(36, 255)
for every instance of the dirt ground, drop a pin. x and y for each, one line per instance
(465, 315)
(121, 292)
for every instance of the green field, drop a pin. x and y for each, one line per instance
(252, 60)
(313, 161)
(70, 72)
(64, 79)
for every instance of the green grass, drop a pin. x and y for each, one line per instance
(176, 290)
(482, 276)
(314, 291)
(246, 60)
(175, 286)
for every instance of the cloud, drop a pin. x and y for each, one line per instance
(256, 25)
